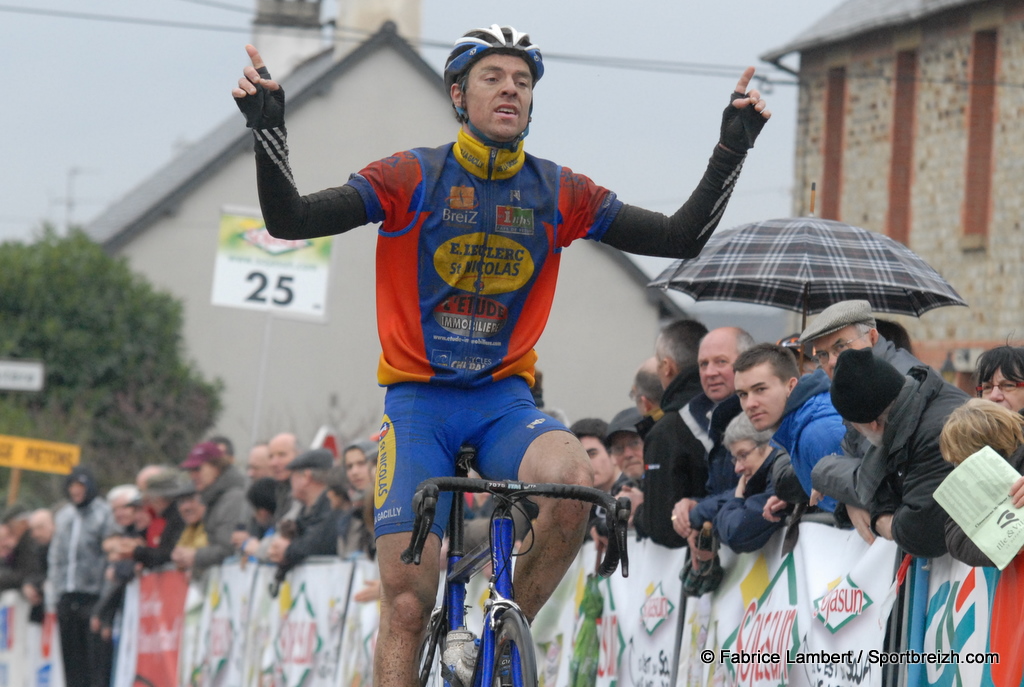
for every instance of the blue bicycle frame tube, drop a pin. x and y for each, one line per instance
(502, 541)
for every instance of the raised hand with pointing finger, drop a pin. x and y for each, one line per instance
(745, 116)
(260, 98)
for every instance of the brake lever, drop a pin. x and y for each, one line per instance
(424, 503)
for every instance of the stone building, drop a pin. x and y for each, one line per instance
(910, 116)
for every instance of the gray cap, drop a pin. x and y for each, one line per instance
(169, 484)
(624, 421)
(14, 512)
(369, 448)
(836, 316)
(314, 459)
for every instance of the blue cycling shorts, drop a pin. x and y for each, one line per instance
(423, 427)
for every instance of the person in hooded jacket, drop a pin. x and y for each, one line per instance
(75, 571)
(800, 413)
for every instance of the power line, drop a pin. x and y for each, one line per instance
(166, 23)
(635, 64)
(220, 6)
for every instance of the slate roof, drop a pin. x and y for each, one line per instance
(857, 17)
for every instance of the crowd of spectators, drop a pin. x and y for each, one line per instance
(840, 423)
(285, 505)
(724, 435)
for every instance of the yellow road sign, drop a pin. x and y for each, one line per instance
(38, 455)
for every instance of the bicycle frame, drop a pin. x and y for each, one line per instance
(461, 567)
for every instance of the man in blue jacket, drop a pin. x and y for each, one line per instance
(798, 409)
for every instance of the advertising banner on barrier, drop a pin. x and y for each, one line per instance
(815, 616)
(811, 617)
(29, 652)
(556, 624)
(312, 602)
(218, 638)
(262, 628)
(161, 618)
(44, 652)
(972, 625)
(359, 638)
(127, 645)
(200, 653)
(646, 609)
(14, 668)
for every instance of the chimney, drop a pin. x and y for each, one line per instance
(287, 33)
(359, 19)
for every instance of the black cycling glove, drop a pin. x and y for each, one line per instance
(740, 127)
(265, 109)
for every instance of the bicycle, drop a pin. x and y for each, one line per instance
(504, 653)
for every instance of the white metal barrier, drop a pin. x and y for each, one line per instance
(816, 616)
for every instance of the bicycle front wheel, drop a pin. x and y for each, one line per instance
(515, 662)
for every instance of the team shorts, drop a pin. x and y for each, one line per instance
(424, 426)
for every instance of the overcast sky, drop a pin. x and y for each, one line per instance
(93, 107)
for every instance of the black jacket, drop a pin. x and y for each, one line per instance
(22, 565)
(708, 421)
(739, 522)
(842, 467)
(675, 463)
(316, 535)
(155, 556)
(899, 477)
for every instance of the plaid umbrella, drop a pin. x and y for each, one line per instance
(806, 264)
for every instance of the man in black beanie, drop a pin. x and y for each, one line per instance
(901, 416)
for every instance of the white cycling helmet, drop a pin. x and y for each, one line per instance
(475, 44)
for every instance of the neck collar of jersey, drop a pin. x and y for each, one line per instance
(486, 162)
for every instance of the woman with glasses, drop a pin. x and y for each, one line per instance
(1000, 373)
(739, 522)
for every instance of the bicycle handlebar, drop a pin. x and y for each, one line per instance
(617, 511)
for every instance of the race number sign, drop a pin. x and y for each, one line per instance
(255, 271)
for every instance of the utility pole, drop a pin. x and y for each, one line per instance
(69, 198)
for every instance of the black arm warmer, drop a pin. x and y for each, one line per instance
(289, 215)
(684, 234)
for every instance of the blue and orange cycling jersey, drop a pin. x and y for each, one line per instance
(477, 237)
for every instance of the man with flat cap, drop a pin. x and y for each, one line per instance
(293, 544)
(901, 416)
(850, 325)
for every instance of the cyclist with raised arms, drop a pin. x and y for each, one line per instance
(467, 255)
